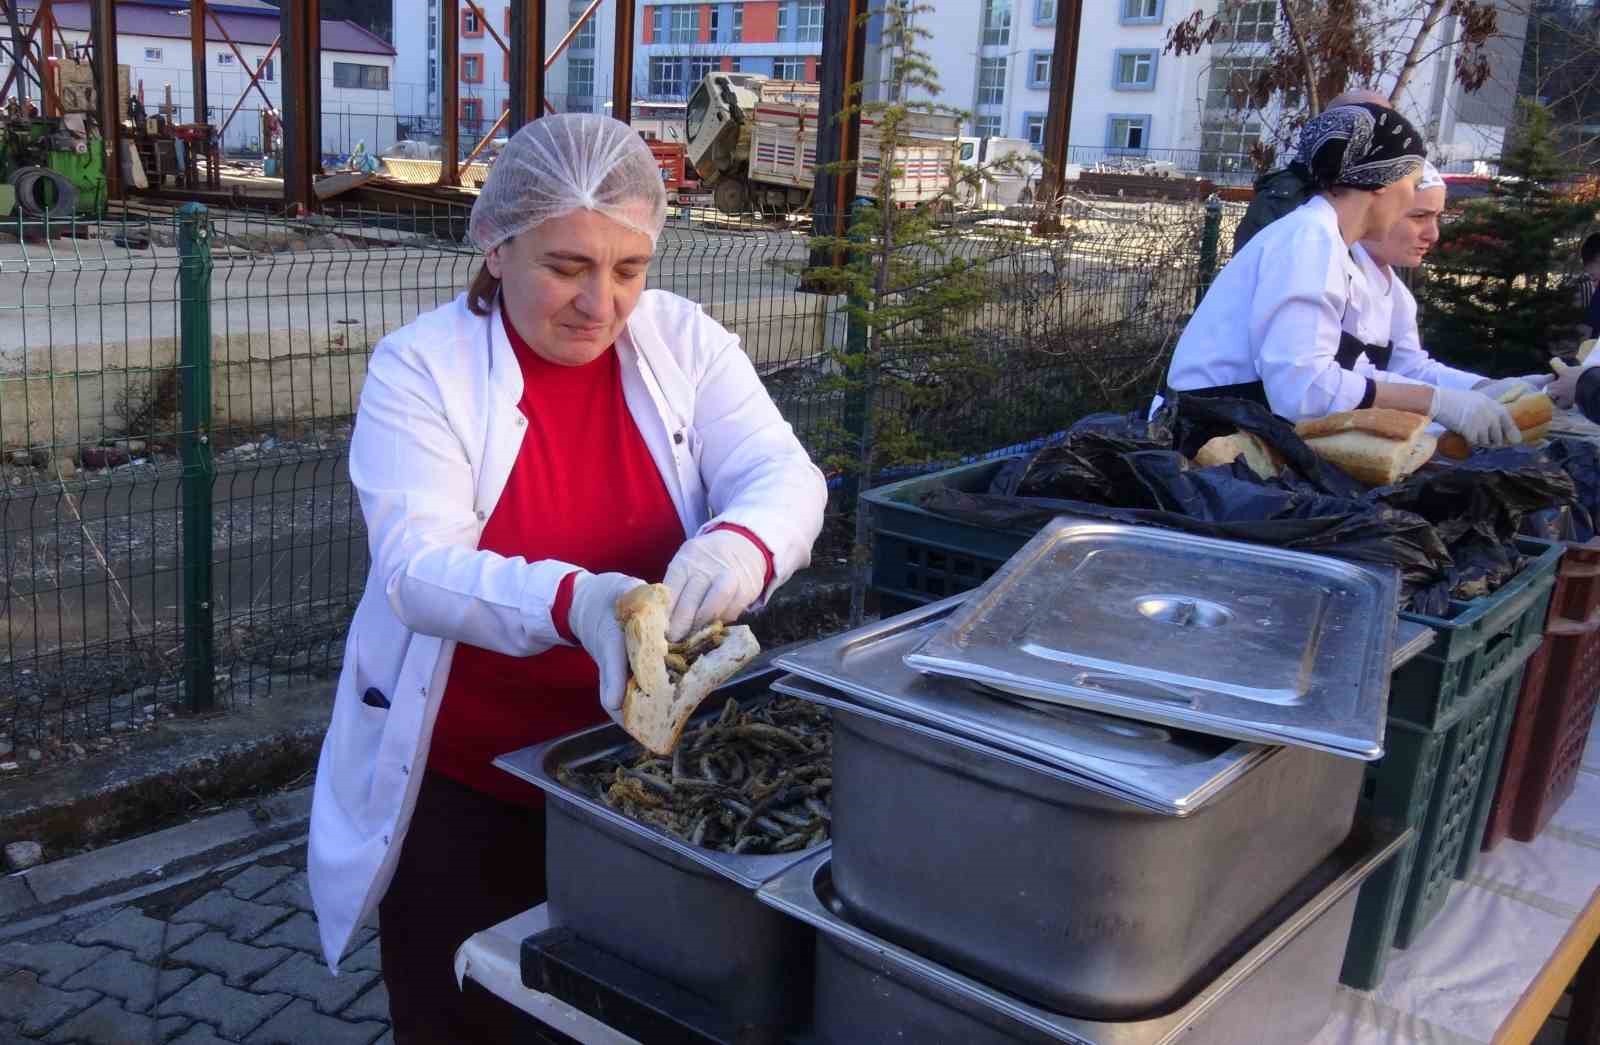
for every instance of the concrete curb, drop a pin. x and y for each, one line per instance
(153, 859)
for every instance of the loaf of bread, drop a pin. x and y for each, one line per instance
(1376, 446)
(1258, 455)
(1531, 411)
(668, 681)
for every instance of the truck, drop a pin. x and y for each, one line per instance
(753, 141)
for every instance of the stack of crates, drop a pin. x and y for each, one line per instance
(1450, 711)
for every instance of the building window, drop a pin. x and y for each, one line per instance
(699, 68)
(683, 25)
(986, 125)
(1039, 69)
(470, 24)
(1229, 82)
(788, 68)
(361, 77)
(809, 18)
(737, 33)
(658, 24)
(1133, 70)
(1044, 12)
(152, 54)
(1225, 146)
(1249, 21)
(224, 59)
(733, 64)
(268, 72)
(433, 74)
(1145, 12)
(584, 41)
(996, 23)
(1033, 129)
(472, 115)
(472, 68)
(666, 77)
(1126, 133)
(433, 32)
(991, 81)
(783, 21)
(580, 84)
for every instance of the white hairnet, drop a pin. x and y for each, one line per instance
(1431, 178)
(558, 164)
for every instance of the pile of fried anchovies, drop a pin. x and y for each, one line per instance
(755, 781)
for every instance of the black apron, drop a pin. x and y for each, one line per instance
(1350, 350)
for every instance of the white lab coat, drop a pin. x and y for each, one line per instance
(1386, 312)
(1273, 315)
(435, 439)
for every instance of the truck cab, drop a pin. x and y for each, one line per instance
(1014, 184)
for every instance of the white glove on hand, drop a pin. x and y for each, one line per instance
(1528, 384)
(1565, 389)
(715, 576)
(593, 622)
(1475, 417)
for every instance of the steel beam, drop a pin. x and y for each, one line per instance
(844, 33)
(1058, 120)
(622, 64)
(255, 78)
(197, 56)
(450, 92)
(103, 30)
(527, 62)
(300, 27)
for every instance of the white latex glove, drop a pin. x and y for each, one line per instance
(1527, 384)
(1475, 417)
(715, 576)
(1565, 389)
(593, 622)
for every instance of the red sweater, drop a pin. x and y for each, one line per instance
(584, 490)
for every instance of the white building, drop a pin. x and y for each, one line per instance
(153, 41)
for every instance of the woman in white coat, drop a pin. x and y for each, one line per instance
(524, 455)
(1270, 327)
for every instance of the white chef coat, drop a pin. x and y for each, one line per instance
(1386, 313)
(435, 439)
(1274, 315)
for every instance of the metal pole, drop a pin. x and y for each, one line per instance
(450, 92)
(103, 27)
(527, 62)
(844, 32)
(300, 25)
(197, 56)
(622, 64)
(194, 447)
(1058, 122)
(1208, 247)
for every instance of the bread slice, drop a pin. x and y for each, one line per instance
(1531, 411)
(1224, 449)
(655, 706)
(1378, 447)
(1586, 348)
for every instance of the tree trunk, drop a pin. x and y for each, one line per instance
(1313, 103)
(1430, 20)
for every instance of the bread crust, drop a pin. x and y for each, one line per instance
(1224, 449)
(1531, 412)
(1401, 425)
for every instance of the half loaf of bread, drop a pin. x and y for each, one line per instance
(1531, 411)
(1377, 447)
(1224, 449)
(668, 681)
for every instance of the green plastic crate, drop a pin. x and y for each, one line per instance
(1510, 691)
(1377, 917)
(1476, 639)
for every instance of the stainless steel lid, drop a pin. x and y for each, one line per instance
(1163, 769)
(1239, 640)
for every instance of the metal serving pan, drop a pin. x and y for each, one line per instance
(680, 912)
(1233, 639)
(1056, 892)
(1275, 986)
(1165, 770)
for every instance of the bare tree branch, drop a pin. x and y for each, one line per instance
(1300, 44)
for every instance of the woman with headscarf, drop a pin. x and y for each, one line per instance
(1380, 327)
(525, 455)
(1270, 327)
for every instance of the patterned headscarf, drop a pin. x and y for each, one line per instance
(1362, 146)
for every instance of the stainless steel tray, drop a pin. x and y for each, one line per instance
(1277, 986)
(1233, 639)
(1164, 770)
(538, 765)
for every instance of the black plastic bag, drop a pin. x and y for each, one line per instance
(1580, 459)
(1485, 496)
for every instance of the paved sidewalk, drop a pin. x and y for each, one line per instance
(229, 956)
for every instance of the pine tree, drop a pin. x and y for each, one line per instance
(1495, 295)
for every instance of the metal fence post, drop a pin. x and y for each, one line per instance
(194, 444)
(1208, 247)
